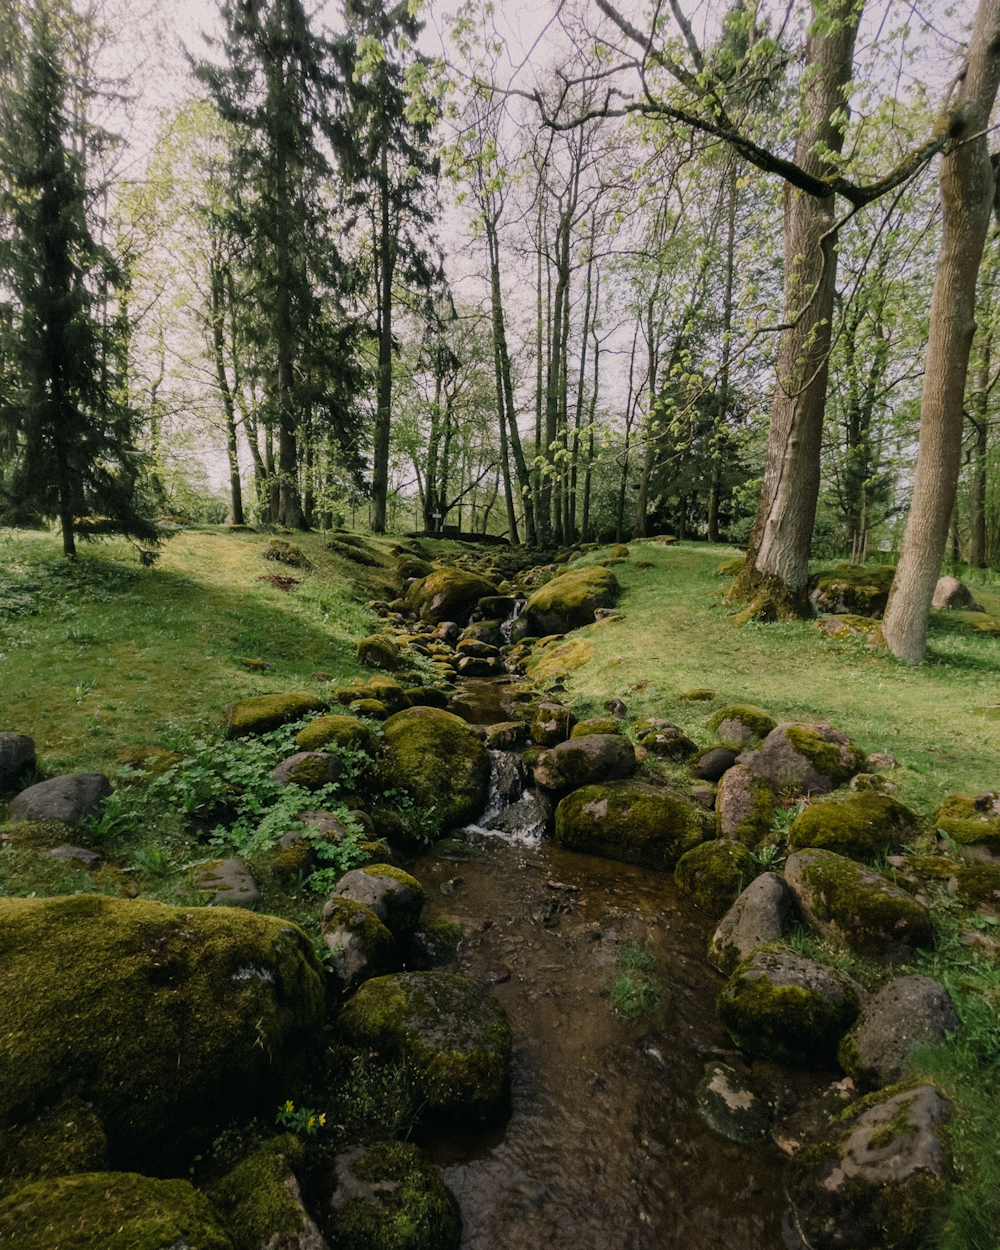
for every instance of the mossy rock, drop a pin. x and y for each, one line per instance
(570, 601)
(388, 1196)
(110, 1211)
(62, 1141)
(265, 712)
(848, 589)
(438, 758)
(451, 1031)
(859, 906)
(412, 566)
(802, 758)
(741, 722)
(850, 626)
(287, 553)
(354, 551)
(788, 1009)
(562, 656)
(378, 651)
(339, 731)
(442, 937)
(448, 594)
(978, 884)
(972, 823)
(631, 822)
(551, 723)
(170, 1021)
(881, 1178)
(744, 807)
(860, 827)
(729, 1105)
(730, 568)
(392, 894)
(697, 694)
(260, 1201)
(596, 725)
(713, 874)
(359, 944)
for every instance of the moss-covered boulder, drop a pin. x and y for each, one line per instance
(851, 626)
(596, 725)
(360, 945)
(757, 918)
(729, 1105)
(741, 722)
(570, 600)
(260, 1201)
(386, 690)
(711, 763)
(744, 807)
(447, 595)
(336, 731)
(849, 589)
(585, 761)
(170, 1021)
(713, 874)
(388, 1196)
(631, 822)
(438, 758)
(907, 1013)
(881, 1178)
(664, 738)
(64, 1140)
(110, 1211)
(506, 735)
(807, 759)
(450, 1030)
(308, 769)
(861, 827)
(286, 553)
(973, 821)
(269, 711)
(393, 895)
(788, 1009)
(859, 906)
(412, 566)
(378, 651)
(551, 724)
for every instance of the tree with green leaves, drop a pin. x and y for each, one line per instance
(67, 434)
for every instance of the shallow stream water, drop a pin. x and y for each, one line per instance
(603, 1149)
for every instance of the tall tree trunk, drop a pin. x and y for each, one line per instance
(968, 187)
(505, 396)
(649, 459)
(776, 574)
(722, 413)
(387, 263)
(217, 290)
(289, 502)
(977, 493)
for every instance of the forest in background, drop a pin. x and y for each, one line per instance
(653, 276)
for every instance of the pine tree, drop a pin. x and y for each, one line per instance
(67, 441)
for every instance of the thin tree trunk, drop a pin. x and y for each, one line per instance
(216, 281)
(649, 460)
(722, 413)
(776, 573)
(968, 187)
(977, 494)
(387, 262)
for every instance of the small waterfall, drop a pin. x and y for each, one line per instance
(513, 812)
(507, 779)
(507, 625)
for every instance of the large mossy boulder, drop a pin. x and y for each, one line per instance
(110, 1211)
(744, 807)
(863, 826)
(973, 821)
(855, 591)
(570, 600)
(451, 1032)
(880, 1179)
(741, 722)
(631, 822)
(713, 874)
(439, 759)
(859, 906)
(392, 894)
(64, 1140)
(360, 945)
(260, 1201)
(788, 1009)
(336, 731)
(447, 595)
(907, 1013)
(808, 759)
(170, 1021)
(378, 651)
(389, 1196)
(585, 761)
(265, 712)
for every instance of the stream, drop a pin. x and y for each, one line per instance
(604, 1148)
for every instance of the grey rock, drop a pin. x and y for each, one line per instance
(325, 824)
(230, 884)
(778, 761)
(396, 904)
(17, 754)
(310, 769)
(892, 1153)
(759, 915)
(744, 805)
(908, 1012)
(365, 821)
(617, 708)
(528, 818)
(710, 765)
(704, 796)
(881, 759)
(585, 761)
(669, 741)
(729, 1104)
(360, 945)
(951, 593)
(71, 799)
(89, 859)
(732, 730)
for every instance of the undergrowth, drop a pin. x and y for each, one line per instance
(636, 992)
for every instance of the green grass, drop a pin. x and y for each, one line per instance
(636, 992)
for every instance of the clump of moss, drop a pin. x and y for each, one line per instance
(714, 874)
(390, 1197)
(863, 826)
(341, 731)
(439, 760)
(969, 824)
(749, 715)
(110, 1211)
(287, 553)
(631, 822)
(259, 1200)
(64, 1140)
(265, 712)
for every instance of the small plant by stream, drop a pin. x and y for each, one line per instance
(636, 992)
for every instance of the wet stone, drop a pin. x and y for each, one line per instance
(729, 1105)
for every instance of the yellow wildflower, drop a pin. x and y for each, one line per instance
(289, 1107)
(322, 1120)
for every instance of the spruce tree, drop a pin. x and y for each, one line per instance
(67, 441)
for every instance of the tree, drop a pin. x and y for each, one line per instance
(968, 186)
(67, 432)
